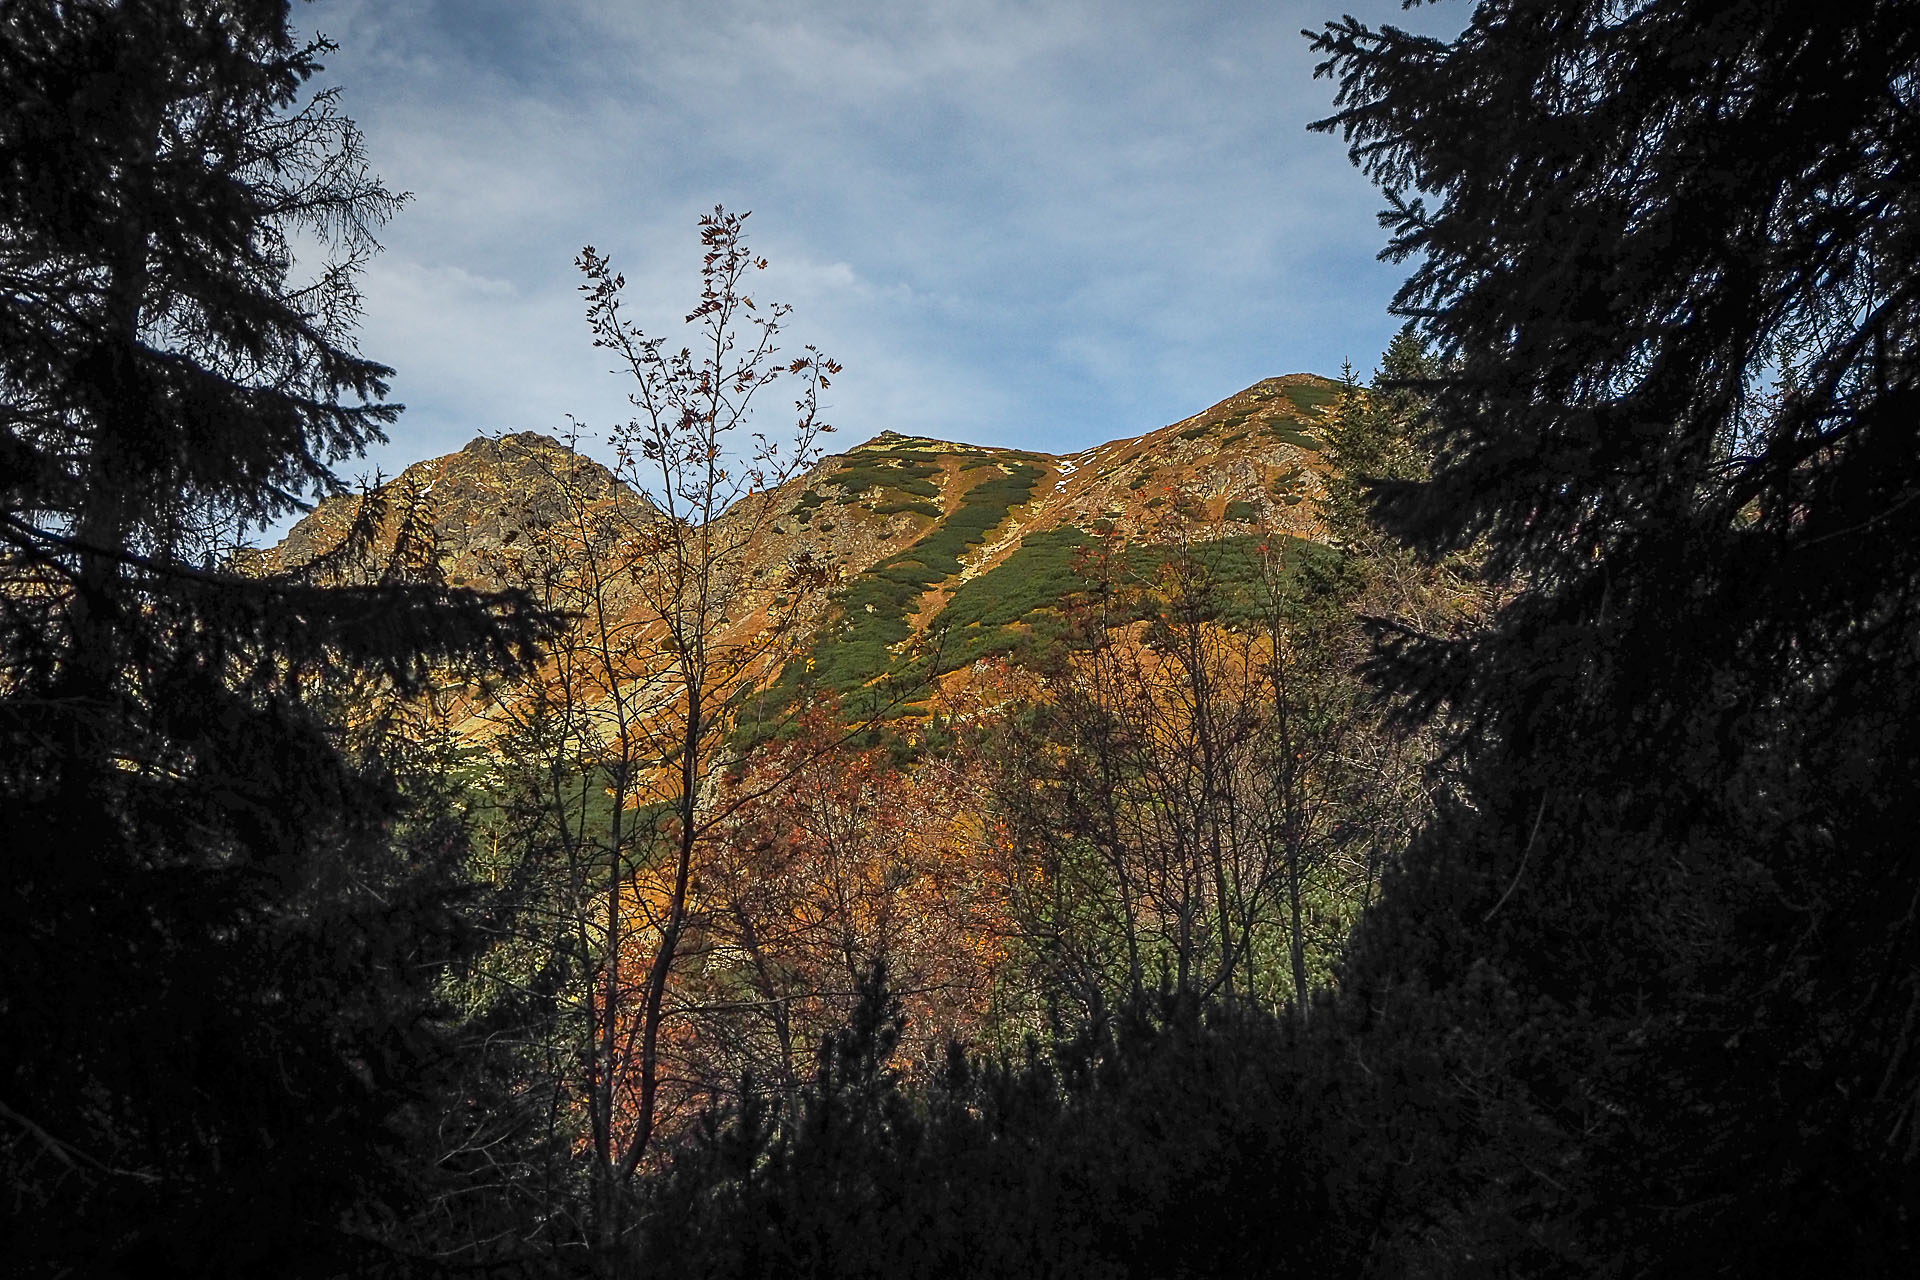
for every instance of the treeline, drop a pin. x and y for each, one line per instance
(1521, 886)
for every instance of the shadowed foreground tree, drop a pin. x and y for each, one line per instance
(1172, 1143)
(217, 962)
(692, 448)
(1669, 257)
(609, 798)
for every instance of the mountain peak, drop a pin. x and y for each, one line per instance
(511, 442)
(890, 440)
(489, 507)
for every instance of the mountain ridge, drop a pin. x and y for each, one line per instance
(911, 535)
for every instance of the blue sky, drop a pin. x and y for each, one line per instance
(1033, 224)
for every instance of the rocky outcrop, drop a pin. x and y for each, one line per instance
(498, 513)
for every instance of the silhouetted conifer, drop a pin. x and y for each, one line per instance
(216, 963)
(1667, 255)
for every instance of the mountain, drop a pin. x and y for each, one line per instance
(488, 515)
(952, 551)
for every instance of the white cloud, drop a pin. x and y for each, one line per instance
(1039, 223)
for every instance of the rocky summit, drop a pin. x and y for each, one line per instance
(487, 516)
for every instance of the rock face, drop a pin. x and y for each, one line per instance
(489, 516)
(913, 536)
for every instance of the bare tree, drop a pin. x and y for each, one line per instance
(618, 749)
(1208, 788)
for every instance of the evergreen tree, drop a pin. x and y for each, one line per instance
(215, 960)
(1666, 252)
(1373, 436)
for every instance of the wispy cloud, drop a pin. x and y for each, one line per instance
(1050, 223)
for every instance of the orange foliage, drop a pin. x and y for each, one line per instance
(820, 862)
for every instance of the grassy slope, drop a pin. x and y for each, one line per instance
(861, 656)
(857, 648)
